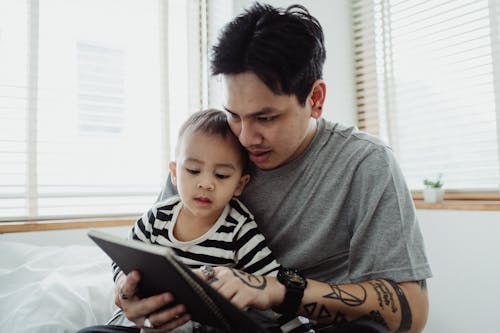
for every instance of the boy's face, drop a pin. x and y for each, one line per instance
(274, 129)
(207, 173)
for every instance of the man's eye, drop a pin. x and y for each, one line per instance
(267, 119)
(232, 116)
(221, 176)
(193, 171)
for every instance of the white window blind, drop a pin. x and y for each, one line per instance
(82, 107)
(427, 82)
(206, 19)
(195, 27)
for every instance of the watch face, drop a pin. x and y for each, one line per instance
(292, 278)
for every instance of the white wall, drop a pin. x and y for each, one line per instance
(463, 248)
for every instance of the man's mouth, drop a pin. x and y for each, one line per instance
(259, 157)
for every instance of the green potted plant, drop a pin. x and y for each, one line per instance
(433, 191)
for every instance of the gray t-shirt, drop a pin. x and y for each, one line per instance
(341, 212)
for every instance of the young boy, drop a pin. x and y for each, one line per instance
(205, 224)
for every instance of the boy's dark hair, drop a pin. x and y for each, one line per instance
(283, 47)
(213, 122)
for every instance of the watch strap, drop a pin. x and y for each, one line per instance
(294, 283)
(291, 302)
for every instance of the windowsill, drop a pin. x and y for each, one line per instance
(9, 227)
(453, 201)
(459, 205)
(456, 200)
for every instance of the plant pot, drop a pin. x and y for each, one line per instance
(433, 195)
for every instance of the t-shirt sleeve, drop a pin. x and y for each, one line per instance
(386, 241)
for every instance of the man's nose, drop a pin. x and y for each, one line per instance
(248, 136)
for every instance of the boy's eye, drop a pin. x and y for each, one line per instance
(193, 171)
(221, 176)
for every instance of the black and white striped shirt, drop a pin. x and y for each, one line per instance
(233, 240)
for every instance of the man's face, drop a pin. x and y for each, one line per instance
(274, 129)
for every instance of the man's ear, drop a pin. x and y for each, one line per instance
(173, 172)
(317, 98)
(241, 184)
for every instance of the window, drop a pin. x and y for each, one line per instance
(427, 82)
(80, 113)
(92, 93)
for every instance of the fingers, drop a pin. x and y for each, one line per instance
(229, 285)
(129, 287)
(144, 312)
(169, 319)
(241, 288)
(125, 288)
(206, 273)
(143, 307)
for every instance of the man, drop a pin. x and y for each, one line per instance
(330, 200)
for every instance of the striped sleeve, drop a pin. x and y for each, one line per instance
(251, 252)
(148, 228)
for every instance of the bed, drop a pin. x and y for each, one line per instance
(53, 289)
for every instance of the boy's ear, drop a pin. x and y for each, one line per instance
(173, 172)
(241, 184)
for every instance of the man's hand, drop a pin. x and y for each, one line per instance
(145, 311)
(245, 290)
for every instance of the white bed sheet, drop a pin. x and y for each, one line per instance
(53, 289)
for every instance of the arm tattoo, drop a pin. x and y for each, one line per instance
(309, 309)
(405, 308)
(339, 319)
(375, 316)
(324, 314)
(384, 295)
(257, 282)
(348, 298)
(422, 284)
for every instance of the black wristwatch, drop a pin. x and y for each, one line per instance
(295, 283)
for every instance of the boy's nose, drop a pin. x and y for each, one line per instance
(206, 185)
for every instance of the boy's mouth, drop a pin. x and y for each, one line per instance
(203, 200)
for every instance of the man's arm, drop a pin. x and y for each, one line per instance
(401, 307)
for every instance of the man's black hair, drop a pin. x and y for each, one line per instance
(283, 47)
